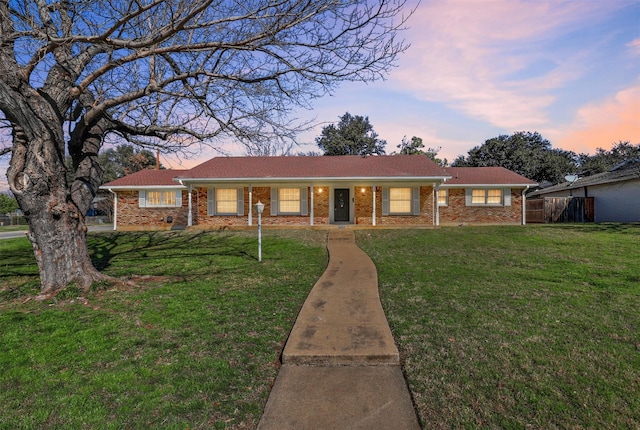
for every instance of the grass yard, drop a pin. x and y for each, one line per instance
(194, 344)
(498, 327)
(511, 327)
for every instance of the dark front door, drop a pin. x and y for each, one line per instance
(341, 205)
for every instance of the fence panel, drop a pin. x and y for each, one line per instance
(560, 210)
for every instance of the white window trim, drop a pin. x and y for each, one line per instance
(275, 202)
(212, 209)
(143, 201)
(505, 198)
(446, 197)
(415, 201)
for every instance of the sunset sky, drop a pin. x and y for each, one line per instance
(476, 69)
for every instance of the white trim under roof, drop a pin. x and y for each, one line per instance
(450, 185)
(143, 187)
(317, 178)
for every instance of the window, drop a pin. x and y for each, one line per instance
(443, 197)
(400, 200)
(160, 198)
(226, 201)
(289, 199)
(488, 197)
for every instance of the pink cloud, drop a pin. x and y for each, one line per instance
(600, 125)
(464, 54)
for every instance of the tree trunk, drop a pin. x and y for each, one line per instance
(60, 246)
(37, 176)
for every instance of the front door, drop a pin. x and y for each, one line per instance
(341, 205)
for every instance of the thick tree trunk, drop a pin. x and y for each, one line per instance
(60, 246)
(37, 176)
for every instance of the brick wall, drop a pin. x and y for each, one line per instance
(364, 209)
(458, 213)
(131, 216)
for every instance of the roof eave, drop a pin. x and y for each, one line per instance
(319, 179)
(142, 187)
(511, 185)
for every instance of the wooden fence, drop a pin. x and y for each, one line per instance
(560, 209)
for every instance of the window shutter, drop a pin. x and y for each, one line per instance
(415, 203)
(142, 199)
(304, 204)
(211, 201)
(179, 198)
(240, 201)
(506, 195)
(468, 193)
(385, 201)
(274, 201)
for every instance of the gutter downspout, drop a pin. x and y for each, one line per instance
(524, 206)
(115, 208)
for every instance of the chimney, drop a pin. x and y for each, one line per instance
(157, 159)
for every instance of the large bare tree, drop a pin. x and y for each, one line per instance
(166, 73)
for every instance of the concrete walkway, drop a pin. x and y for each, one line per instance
(340, 366)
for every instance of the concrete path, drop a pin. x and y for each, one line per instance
(340, 366)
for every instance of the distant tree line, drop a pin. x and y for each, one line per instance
(524, 152)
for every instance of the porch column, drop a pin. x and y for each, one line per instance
(373, 215)
(250, 205)
(115, 210)
(524, 207)
(436, 189)
(189, 207)
(311, 209)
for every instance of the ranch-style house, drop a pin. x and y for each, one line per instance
(383, 191)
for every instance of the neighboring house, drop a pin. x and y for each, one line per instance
(314, 191)
(616, 194)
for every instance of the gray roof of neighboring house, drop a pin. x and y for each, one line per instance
(626, 172)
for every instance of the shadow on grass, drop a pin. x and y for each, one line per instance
(167, 246)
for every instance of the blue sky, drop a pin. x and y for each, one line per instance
(476, 69)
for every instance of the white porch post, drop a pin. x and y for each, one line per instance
(189, 207)
(115, 209)
(524, 206)
(250, 205)
(311, 209)
(373, 215)
(437, 220)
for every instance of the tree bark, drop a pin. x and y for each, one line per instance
(56, 221)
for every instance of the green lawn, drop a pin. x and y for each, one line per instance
(511, 327)
(195, 343)
(498, 327)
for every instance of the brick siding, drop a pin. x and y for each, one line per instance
(458, 213)
(131, 216)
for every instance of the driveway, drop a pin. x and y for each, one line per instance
(15, 234)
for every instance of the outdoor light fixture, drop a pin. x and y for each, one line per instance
(362, 190)
(319, 190)
(259, 208)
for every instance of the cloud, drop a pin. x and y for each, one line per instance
(599, 125)
(634, 46)
(495, 61)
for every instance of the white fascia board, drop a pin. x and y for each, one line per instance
(448, 185)
(142, 187)
(322, 179)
